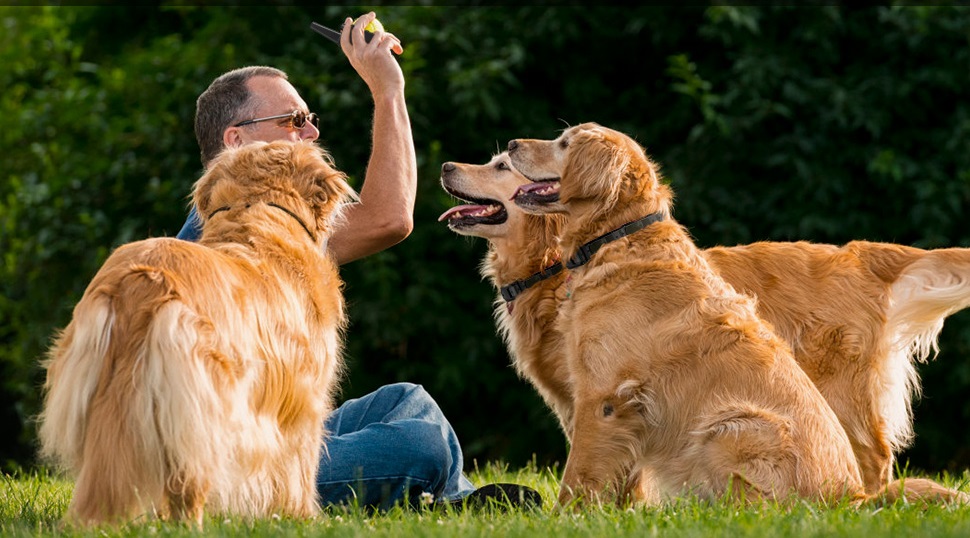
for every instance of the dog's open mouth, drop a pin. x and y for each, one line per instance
(479, 211)
(537, 193)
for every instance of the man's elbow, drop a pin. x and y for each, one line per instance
(397, 229)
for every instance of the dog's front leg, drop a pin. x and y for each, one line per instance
(602, 459)
(186, 498)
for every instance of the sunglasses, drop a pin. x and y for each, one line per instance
(297, 119)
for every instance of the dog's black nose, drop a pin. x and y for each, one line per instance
(512, 145)
(448, 167)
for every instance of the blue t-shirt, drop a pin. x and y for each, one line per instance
(192, 229)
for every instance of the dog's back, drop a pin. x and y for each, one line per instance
(858, 317)
(127, 399)
(198, 374)
(728, 401)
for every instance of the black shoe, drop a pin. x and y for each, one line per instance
(501, 496)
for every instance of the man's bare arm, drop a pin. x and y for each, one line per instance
(384, 215)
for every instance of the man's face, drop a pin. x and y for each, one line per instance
(274, 96)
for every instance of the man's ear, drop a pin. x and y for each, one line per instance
(232, 137)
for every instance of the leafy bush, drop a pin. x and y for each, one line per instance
(772, 123)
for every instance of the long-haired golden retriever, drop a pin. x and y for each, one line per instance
(676, 379)
(856, 316)
(197, 376)
(523, 255)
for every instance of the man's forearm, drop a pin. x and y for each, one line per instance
(384, 215)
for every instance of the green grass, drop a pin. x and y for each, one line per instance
(31, 504)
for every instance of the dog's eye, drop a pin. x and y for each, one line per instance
(501, 166)
(563, 144)
(607, 409)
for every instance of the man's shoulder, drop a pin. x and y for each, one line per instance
(192, 229)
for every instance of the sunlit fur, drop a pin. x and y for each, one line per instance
(197, 376)
(518, 248)
(676, 380)
(856, 316)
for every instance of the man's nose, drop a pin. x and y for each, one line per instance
(309, 132)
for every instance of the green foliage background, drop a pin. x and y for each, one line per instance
(772, 123)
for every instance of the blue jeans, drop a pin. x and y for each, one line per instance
(389, 447)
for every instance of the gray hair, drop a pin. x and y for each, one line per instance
(222, 104)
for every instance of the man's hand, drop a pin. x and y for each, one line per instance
(373, 61)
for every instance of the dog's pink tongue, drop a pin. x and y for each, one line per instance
(462, 210)
(538, 187)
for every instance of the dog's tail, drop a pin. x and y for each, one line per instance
(73, 366)
(926, 291)
(924, 294)
(132, 408)
(917, 490)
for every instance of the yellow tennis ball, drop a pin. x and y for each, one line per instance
(374, 26)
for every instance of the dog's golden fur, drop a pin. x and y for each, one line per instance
(856, 316)
(197, 376)
(520, 245)
(676, 379)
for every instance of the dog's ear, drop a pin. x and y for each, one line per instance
(202, 189)
(607, 166)
(595, 165)
(638, 396)
(324, 187)
(237, 174)
(642, 175)
(205, 192)
(202, 195)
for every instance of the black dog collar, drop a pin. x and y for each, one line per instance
(513, 290)
(586, 251)
(281, 208)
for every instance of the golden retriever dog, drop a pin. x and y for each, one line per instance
(856, 316)
(676, 380)
(523, 254)
(197, 376)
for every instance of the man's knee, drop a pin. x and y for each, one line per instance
(430, 455)
(403, 391)
(411, 400)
